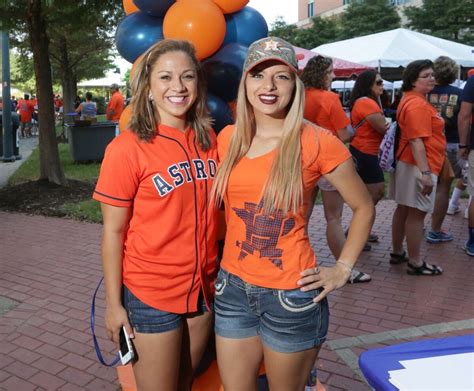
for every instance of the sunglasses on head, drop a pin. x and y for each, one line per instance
(379, 82)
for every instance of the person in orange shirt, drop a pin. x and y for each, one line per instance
(420, 156)
(26, 108)
(116, 104)
(370, 126)
(324, 108)
(159, 236)
(271, 161)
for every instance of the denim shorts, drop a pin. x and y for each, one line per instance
(287, 321)
(150, 320)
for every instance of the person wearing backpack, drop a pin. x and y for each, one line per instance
(420, 156)
(367, 116)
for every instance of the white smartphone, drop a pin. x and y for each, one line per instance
(126, 348)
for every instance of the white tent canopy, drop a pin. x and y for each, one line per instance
(396, 48)
(114, 76)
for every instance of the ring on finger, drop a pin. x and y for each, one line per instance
(316, 270)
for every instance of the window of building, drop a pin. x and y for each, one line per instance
(310, 8)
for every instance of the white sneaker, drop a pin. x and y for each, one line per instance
(453, 209)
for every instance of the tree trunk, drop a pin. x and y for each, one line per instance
(50, 166)
(67, 77)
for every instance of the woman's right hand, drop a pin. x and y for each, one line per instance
(427, 184)
(115, 318)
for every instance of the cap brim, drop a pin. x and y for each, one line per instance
(261, 61)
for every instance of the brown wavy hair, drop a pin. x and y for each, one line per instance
(445, 70)
(145, 117)
(315, 72)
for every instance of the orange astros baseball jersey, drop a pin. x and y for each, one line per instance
(170, 248)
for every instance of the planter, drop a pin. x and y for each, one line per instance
(88, 142)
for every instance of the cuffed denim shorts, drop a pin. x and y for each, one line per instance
(150, 320)
(287, 321)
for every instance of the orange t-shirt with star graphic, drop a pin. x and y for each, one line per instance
(270, 250)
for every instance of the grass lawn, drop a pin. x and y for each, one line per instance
(89, 209)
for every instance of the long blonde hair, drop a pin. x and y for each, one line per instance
(144, 117)
(284, 187)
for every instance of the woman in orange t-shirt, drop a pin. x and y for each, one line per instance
(270, 163)
(324, 108)
(370, 126)
(159, 237)
(420, 155)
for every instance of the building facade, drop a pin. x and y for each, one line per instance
(327, 8)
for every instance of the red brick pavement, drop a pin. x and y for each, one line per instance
(51, 266)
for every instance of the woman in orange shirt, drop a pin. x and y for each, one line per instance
(324, 108)
(271, 161)
(159, 238)
(420, 155)
(370, 126)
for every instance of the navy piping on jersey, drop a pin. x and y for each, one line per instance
(195, 218)
(113, 198)
(205, 187)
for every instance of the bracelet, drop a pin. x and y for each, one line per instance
(344, 264)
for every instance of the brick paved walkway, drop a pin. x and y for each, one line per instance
(49, 268)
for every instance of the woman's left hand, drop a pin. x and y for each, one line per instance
(328, 278)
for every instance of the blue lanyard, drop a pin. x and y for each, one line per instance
(96, 343)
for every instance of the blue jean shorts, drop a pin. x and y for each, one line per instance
(287, 321)
(150, 320)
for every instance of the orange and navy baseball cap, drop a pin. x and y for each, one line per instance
(271, 48)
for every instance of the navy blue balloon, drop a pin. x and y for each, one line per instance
(220, 112)
(156, 8)
(136, 33)
(224, 69)
(245, 26)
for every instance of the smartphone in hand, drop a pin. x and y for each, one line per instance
(126, 348)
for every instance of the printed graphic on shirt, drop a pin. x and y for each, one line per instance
(262, 232)
(182, 172)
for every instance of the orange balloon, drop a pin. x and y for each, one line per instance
(229, 6)
(129, 7)
(200, 22)
(125, 118)
(134, 67)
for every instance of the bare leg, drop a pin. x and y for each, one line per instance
(239, 361)
(157, 367)
(196, 333)
(377, 191)
(398, 228)
(441, 205)
(333, 205)
(414, 233)
(289, 371)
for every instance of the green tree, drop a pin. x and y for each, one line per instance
(368, 17)
(452, 20)
(281, 29)
(33, 21)
(322, 30)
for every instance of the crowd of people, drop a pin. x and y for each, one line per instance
(170, 190)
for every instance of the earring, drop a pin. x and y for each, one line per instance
(150, 97)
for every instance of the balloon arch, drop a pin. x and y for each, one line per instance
(220, 30)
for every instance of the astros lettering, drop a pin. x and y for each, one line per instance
(184, 172)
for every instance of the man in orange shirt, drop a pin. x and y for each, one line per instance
(26, 108)
(116, 104)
